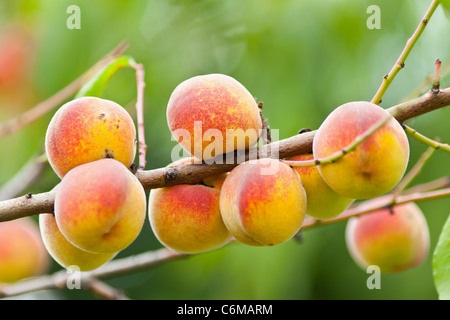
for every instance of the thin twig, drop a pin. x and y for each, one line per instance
(29, 173)
(140, 82)
(400, 64)
(376, 204)
(412, 173)
(428, 82)
(425, 140)
(437, 76)
(347, 149)
(57, 99)
(103, 290)
(58, 280)
(265, 129)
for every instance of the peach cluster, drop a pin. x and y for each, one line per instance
(100, 206)
(260, 203)
(263, 202)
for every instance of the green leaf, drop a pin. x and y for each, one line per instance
(446, 7)
(95, 86)
(441, 263)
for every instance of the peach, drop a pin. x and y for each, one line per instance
(16, 57)
(100, 206)
(393, 241)
(88, 129)
(186, 218)
(65, 253)
(263, 202)
(213, 114)
(376, 165)
(322, 201)
(22, 252)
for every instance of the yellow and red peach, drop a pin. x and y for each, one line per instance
(394, 241)
(65, 253)
(186, 218)
(88, 129)
(22, 252)
(213, 114)
(376, 165)
(263, 202)
(322, 201)
(100, 206)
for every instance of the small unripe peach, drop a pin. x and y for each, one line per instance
(322, 201)
(88, 129)
(65, 253)
(100, 206)
(213, 114)
(186, 218)
(263, 202)
(376, 165)
(394, 241)
(22, 252)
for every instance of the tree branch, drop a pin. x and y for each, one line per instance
(371, 205)
(114, 268)
(400, 64)
(195, 173)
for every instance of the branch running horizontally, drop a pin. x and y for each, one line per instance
(194, 173)
(148, 259)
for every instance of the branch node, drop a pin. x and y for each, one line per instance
(171, 174)
(303, 130)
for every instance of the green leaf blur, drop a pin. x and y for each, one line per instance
(441, 263)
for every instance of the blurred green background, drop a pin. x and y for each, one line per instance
(301, 58)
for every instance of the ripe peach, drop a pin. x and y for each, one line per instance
(65, 253)
(100, 206)
(22, 252)
(16, 55)
(263, 202)
(393, 241)
(88, 129)
(376, 165)
(213, 107)
(186, 218)
(323, 202)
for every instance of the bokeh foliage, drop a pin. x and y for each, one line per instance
(301, 58)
